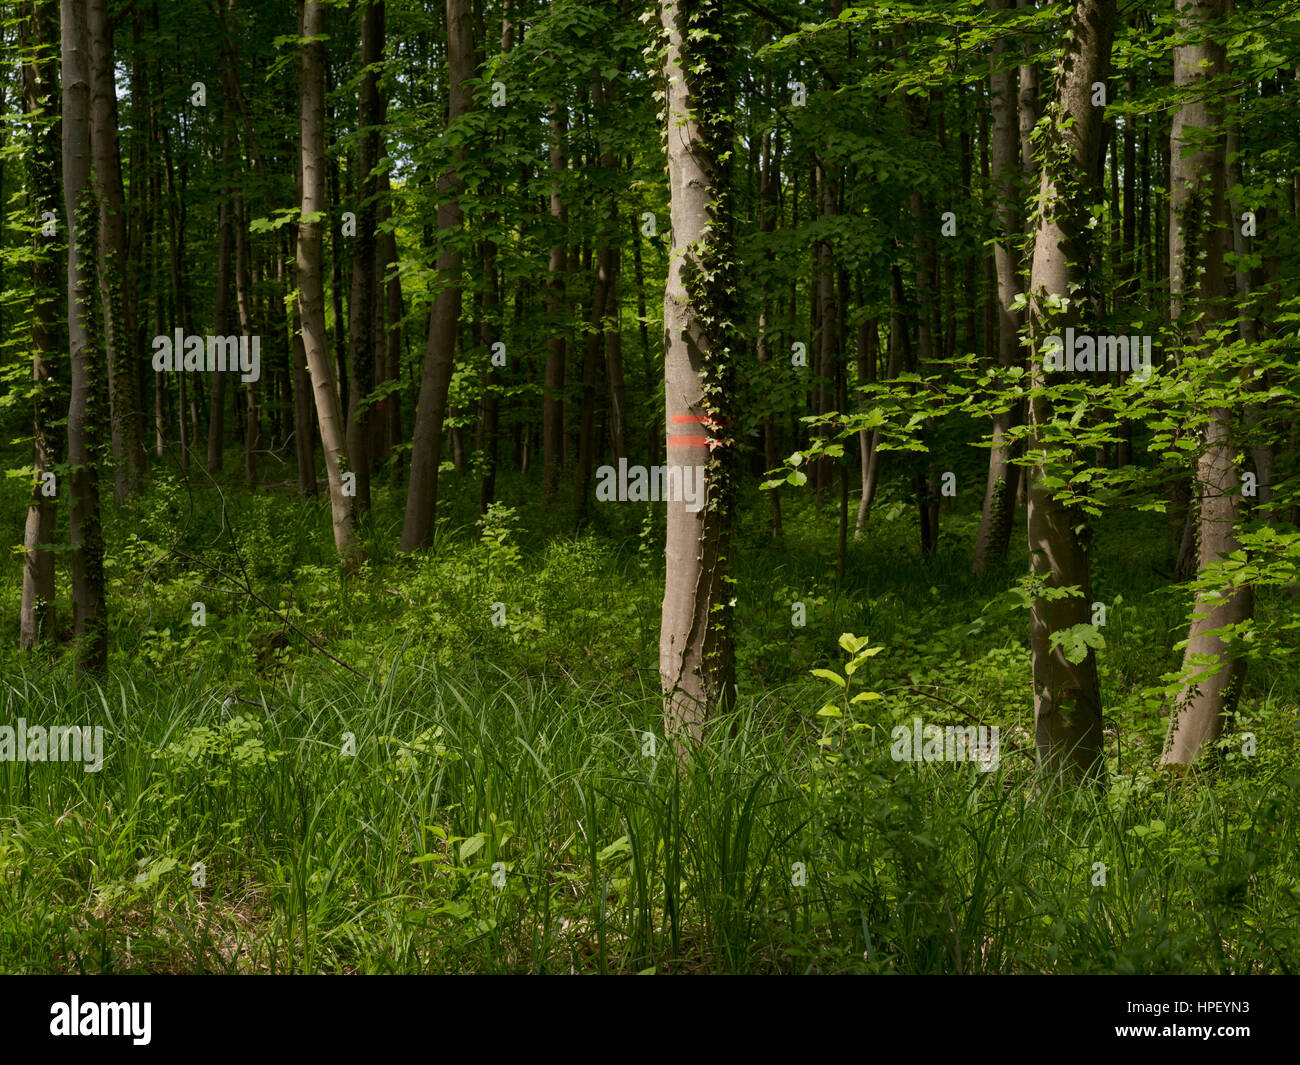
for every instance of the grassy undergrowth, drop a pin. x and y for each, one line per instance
(450, 793)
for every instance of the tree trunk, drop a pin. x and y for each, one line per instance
(1197, 246)
(392, 319)
(556, 353)
(696, 656)
(444, 319)
(311, 292)
(868, 439)
(244, 301)
(1067, 697)
(767, 183)
(994, 534)
(365, 260)
(1027, 107)
(116, 291)
(86, 406)
(36, 615)
(304, 426)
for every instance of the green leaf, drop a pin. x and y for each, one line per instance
(826, 674)
(472, 846)
(853, 644)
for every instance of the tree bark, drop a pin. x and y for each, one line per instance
(1198, 242)
(244, 302)
(696, 657)
(1067, 697)
(86, 406)
(444, 320)
(311, 293)
(556, 347)
(116, 290)
(304, 426)
(36, 614)
(365, 260)
(994, 535)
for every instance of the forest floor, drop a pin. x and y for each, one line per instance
(467, 772)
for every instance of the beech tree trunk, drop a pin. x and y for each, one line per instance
(994, 534)
(244, 302)
(116, 291)
(365, 260)
(36, 614)
(444, 320)
(86, 450)
(556, 347)
(1067, 697)
(696, 657)
(311, 292)
(304, 426)
(1198, 242)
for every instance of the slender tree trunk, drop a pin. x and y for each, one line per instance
(1198, 243)
(696, 657)
(613, 332)
(221, 322)
(304, 425)
(36, 615)
(767, 183)
(1067, 697)
(86, 450)
(591, 350)
(444, 320)
(994, 534)
(176, 271)
(827, 340)
(311, 293)
(116, 292)
(868, 439)
(926, 480)
(365, 259)
(488, 443)
(594, 343)
(392, 319)
(244, 301)
(556, 348)
(1027, 107)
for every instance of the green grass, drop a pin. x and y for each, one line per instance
(499, 813)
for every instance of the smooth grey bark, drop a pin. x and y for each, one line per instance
(696, 655)
(1067, 696)
(311, 292)
(1198, 242)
